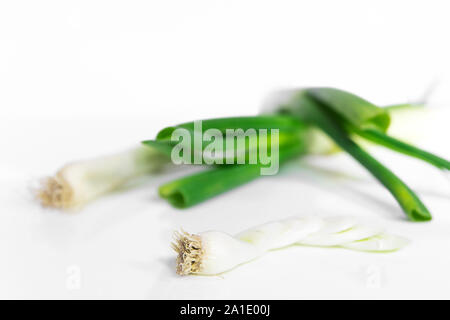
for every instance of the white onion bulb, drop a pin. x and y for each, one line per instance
(214, 252)
(80, 182)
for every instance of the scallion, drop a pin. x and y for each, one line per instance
(82, 181)
(214, 252)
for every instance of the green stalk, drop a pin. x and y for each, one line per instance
(402, 147)
(351, 108)
(317, 113)
(337, 113)
(250, 146)
(290, 129)
(191, 190)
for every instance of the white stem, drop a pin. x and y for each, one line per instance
(79, 182)
(214, 252)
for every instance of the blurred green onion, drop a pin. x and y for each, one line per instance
(196, 188)
(290, 129)
(338, 114)
(403, 147)
(313, 111)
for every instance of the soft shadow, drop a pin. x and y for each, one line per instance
(335, 174)
(315, 176)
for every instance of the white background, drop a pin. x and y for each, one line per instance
(84, 78)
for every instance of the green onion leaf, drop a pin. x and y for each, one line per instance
(314, 111)
(349, 107)
(191, 190)
(402, 147)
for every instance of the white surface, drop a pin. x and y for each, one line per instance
(79, 79)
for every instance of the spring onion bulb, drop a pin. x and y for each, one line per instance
(77, 183)
(214, 252)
